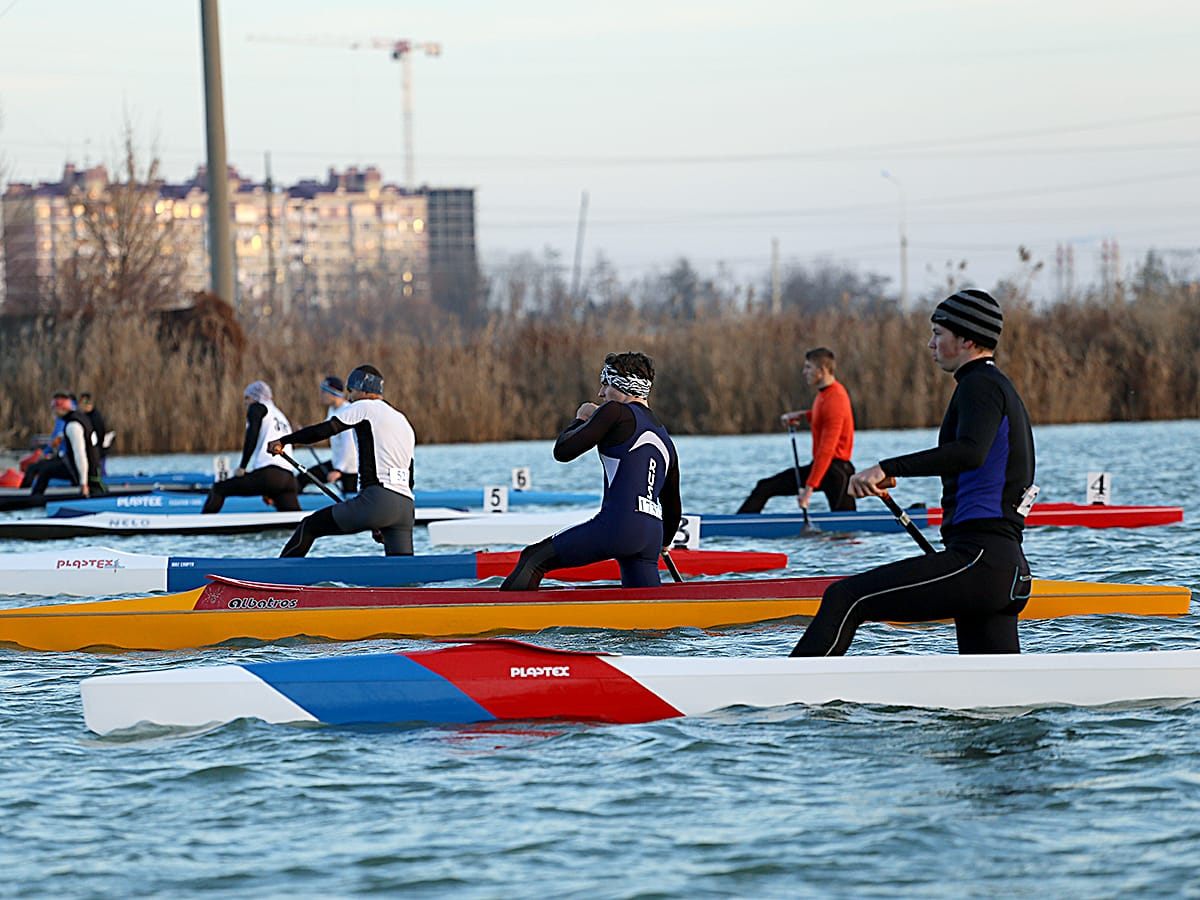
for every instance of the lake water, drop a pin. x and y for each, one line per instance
(841, 800)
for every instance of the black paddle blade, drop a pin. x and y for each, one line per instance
(810, 527)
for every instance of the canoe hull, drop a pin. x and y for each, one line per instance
(508, 680)
(229, 610)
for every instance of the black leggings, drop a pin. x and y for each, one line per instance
(834, 486)
(982, 582)
(535, 561)
(269, 481)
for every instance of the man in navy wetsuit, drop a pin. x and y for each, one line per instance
(641, 507)
(985, 459)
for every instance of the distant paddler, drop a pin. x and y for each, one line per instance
(79, 457)
(985, 459)
(832, 421)
(341, 468)
(641, 508)
(385, 442)
(259, 474)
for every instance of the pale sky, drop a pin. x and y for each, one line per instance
(700, 129)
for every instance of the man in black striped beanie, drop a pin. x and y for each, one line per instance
(985, 458)
(973, 315)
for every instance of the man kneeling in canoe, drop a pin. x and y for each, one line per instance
(985, 458)
(385, 441)
(641, 507)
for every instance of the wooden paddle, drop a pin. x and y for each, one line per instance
(671, 567)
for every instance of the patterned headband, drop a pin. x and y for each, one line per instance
(627, 384)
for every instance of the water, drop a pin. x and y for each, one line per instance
(842, 800)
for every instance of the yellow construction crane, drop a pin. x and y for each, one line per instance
(401, 50)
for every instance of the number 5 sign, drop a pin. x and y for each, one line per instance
(495, 498)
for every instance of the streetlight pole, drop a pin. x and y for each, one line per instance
(903, 240)
(220, 241)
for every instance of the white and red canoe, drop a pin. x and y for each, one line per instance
(508, 680)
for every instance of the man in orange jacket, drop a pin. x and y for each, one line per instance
(832, 422)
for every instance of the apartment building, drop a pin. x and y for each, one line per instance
(311, 245)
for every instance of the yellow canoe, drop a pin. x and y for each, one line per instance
(227, 609)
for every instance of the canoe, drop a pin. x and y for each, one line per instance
(101, 571)
(132, 523)
(176, 502)
(509, 680)
(227, 609)
(527, 528)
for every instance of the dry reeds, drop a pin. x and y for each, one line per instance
(518, 379)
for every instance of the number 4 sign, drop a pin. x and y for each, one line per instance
(1099, 488)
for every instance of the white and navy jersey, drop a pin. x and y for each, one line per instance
(641, 465)
(264, 424)
(385, 442)
(344, 448)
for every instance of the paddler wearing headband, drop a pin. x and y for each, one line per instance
(641, 508)
(985, 458)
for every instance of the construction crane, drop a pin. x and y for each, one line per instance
(401, 51)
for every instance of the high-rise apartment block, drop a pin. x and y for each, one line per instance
(314, 244)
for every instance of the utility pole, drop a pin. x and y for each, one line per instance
(220, 241)
(577, 271)
(776, 280)
(903, 239)
(269, 187)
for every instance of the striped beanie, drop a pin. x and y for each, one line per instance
(972, 315)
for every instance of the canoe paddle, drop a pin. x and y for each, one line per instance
(809, 528)
(671, 567)
(906, 523)
(311, 477)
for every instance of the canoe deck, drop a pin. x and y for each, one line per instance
(509, 680)
(227, 609)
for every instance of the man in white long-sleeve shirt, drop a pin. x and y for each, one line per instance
(79, 462)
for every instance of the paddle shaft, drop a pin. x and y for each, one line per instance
(671, 567)
(311, 477)
(799, 481)
(908, 524)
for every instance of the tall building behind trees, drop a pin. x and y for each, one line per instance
(314, 245)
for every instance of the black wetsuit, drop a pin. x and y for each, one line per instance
(641, 507)
(39, 475)
(985, 457)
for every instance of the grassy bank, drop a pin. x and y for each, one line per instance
(523, 378)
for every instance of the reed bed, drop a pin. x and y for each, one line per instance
(522, 378)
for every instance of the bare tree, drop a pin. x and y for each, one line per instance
(125, 257)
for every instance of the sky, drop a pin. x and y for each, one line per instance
(698, 129)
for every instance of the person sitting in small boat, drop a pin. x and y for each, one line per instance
(259, 474)
(832, 422)
(386, 443)
(640, 512)
(78, 460)
(985, 458)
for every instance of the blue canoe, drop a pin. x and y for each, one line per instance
(177, 502)
(779, 525)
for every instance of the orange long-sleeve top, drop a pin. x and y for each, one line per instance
(832, 422)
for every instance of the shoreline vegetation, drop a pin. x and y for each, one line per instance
(173, 384)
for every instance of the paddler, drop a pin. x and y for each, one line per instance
(640, 511)
(79, 459)
(259, 474)
(985, 459)
(385, 441)
(832, 421)
(341, 468)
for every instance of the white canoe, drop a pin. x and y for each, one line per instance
(499, 680)
(504, 528)
(132, 523)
